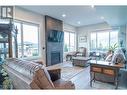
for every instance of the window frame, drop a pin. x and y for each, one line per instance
(70, 41)
(22, 39)
(109, 38)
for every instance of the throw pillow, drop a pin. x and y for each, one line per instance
(109, 58)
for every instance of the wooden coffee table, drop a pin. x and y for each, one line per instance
(80, 61)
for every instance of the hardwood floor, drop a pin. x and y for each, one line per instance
(82, 81)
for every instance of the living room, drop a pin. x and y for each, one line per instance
(65, 38)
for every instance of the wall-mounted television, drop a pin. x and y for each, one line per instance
(55, 36)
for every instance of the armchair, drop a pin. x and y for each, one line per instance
(81, 52)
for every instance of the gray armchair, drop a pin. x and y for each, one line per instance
(118, 57)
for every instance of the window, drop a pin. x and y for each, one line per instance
(69, 41)
(113, 37)
(72, 41)
(102, 40)
(27, 37)
(93, 41)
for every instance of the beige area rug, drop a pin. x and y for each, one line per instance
(68, 71)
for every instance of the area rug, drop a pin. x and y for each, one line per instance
(68, 71)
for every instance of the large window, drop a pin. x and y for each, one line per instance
(69, 41)
(102, 40)
(28, 43)
(93, 41)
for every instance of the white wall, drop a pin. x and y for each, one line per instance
(85, 31)
(24, 15)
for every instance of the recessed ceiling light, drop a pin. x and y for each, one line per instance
(79, 22)
(92, 6)
(102, 17)
(63, 15)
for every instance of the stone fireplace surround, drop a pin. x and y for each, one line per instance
(53, 47)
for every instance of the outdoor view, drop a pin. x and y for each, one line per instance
(102, 41)
(27, 40)
(69, 41)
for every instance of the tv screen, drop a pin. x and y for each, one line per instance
(55, 36)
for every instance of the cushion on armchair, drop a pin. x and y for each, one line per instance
(118, 57)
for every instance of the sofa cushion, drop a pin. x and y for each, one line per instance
(18, 80)
(26, 68)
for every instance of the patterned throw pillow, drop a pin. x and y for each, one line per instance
(109, 58)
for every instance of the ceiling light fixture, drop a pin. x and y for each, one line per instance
(63, 15)
(92, 6)
(79, 22)
(102, 17)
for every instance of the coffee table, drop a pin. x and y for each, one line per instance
(80, 61)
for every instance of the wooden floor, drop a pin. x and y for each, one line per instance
(82, 81)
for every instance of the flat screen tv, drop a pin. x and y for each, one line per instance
(55, 36)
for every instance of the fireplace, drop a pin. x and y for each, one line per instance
(55, 58)
(54, 49)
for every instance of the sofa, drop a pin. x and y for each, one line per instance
(32, 75)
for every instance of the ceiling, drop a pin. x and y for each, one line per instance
(84, 15)
(114, 15)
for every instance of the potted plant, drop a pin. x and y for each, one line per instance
(113, 47)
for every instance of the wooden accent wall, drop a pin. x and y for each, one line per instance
(51, 24)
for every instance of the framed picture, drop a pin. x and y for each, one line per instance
(82, 39)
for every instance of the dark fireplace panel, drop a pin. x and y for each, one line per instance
(55, 58)
(54, 44)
